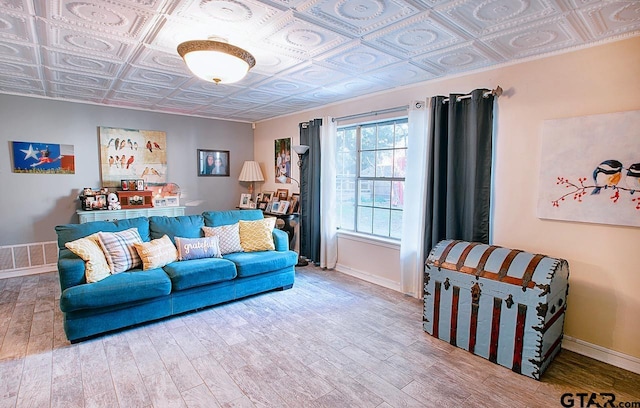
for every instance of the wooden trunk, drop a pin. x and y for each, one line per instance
(502, 304)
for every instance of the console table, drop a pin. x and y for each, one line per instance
(110, 215)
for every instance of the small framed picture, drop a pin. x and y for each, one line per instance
(294, 203)
(283, 194)
(268, 207)
(252, 204)
(258, 197)
(140, 185)
(159, 202)
(282, 209)
(172, 200)
(133, 185)
(213, 163)
(245, 200)
(124, 185)
(267, 196)
(275, 207)
(263, 205)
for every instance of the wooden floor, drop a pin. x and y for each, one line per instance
(331, 341)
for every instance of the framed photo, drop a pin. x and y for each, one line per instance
(245, 200)
(294, 203)
(124, 185)
(283, 160)
(159, 202)
(213, 163)
(263, 205)
(140, 185)
(275, 206)
(258, 197)
(282, 194)
(172, 200)
(267, 196)
(252, 204)
(268, 207)
(282, 209)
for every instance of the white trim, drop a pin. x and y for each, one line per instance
(600, 353)
(14, 273)
(366, 276)
(369, 239)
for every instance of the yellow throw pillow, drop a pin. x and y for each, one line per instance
(257, 235)
(156, 253)
(95, 264)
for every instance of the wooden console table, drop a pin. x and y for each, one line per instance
(111, 215)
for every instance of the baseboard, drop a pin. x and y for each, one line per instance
(27, 271)
(366, 276)
(600, 353)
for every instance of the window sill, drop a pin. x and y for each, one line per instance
(370, 239)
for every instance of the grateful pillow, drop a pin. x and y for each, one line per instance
(257, 235)
(119, 250)
(196, 248)
(96, 267)
(229, 236)
(156, 253)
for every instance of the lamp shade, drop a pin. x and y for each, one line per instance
(300, 149)
(251, 172)
(216, 60)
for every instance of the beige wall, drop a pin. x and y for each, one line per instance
(604, 260)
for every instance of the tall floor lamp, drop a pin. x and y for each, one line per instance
(300, 150)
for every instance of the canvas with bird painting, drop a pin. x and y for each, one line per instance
(132, 154)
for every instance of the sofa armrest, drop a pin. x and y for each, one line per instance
(280, 240)
(70, 269)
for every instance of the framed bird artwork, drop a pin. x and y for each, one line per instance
(132, 154)
(590, 169)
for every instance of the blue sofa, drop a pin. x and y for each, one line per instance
(138, 296)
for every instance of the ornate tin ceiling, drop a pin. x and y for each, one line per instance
(309, 52)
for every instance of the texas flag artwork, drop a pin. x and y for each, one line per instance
(43, 158)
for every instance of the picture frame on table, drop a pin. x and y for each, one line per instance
(275, 207)
(267, 196)
(213, 163)
(245, 200)
(283, 207)
(172, 200)
(282, 194)
(258, 197)
(294, 203)
(262, 205)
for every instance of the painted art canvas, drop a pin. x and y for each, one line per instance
(43, 158)
(132, 154)
(590, 169)
(282, 160)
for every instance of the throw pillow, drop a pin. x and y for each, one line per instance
(196, 248)
(156, 253)
(257, 235)
(119, 250)
(96, 267)
(229, 236)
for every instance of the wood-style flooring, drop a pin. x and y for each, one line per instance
(330, 341)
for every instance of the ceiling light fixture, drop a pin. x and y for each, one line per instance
(216, 60)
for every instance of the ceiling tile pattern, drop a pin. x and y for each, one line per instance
(308, 52)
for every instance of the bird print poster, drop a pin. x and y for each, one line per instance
(132, 154)
(43, 158)
(590, 169)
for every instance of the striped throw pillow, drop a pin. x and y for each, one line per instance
(119, 249)
(156, 253)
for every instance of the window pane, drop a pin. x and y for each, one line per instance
(397, 194)
(350, 140)
(402, 133)
(381, 221)
(339, 140)
(396, 224)
(399, 162)
(365, 215)
(384, 163)
(368, 137)
(346, 206)
(385, 136)
(368, 164)
(365, 192)
(382, 193)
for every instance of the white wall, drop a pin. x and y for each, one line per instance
(603, 304)
(31, 205)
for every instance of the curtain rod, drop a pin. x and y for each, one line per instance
(372, 113)
(495, 92)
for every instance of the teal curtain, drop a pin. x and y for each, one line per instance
(310, 191)
(459, 172)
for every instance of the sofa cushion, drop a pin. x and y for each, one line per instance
(156, 253)
(255, 263)
(197, 248)
(229, 236)
(119, 249)
(198, 272)
(71, 232)
(96, 266)
(116, 289)
(257, 235)
(188, 226)
(218, 218)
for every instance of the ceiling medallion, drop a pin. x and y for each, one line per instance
(216, 60)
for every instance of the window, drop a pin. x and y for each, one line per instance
(371, 162)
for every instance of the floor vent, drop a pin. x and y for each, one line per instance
(28, 259)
